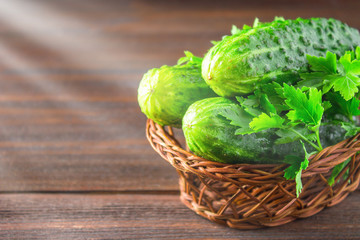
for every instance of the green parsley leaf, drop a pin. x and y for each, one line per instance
(354, 68)
(250, 105)
(297, 164)
(351, 129)
(357, 53)
(347, 57)
(275, 95)
(336, 171)
(321, 64)
(348, 108)
(326, 105)
(294, 172)
(328, 73)
(350, 66)
(287, 135)
(313, 79)
(272, 89)
(347, 85)
(305, 109)
(237, 117)
(266, 104)
(329, 83)
(264, 121)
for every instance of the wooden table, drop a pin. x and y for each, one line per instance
(75, 163)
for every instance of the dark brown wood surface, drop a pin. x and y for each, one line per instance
(150, 216)
(74, 160)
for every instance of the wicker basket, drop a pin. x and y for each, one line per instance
(248, 196)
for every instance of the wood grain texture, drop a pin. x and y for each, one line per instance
(129, 216)
(69, 118)
(70, 122)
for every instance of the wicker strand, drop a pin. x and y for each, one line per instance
(248, 196)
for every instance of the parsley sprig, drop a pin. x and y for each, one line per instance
(297, 115)
(296, 112)
(341, 75)
(303, 106)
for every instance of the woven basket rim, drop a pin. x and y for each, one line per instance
(164, 142)
(248, 196)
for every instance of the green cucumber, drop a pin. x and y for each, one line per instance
(274, 51)
(165, 93)
(211, 136)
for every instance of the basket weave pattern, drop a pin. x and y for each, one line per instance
(247, 196)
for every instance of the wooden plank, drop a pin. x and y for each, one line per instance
(129, 216)
(69, 119)
(89, 147)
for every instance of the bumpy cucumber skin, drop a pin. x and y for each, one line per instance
(211, 136)
(238, 64)
(165, 93)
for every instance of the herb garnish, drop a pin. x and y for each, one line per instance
(297, 111)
